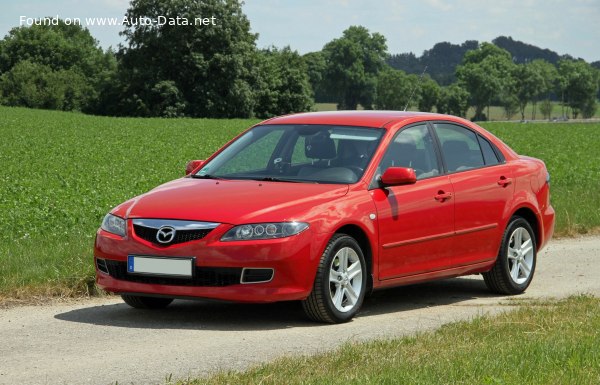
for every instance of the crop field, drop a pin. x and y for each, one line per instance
(60, 173)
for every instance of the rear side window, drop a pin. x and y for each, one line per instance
(489, 156)
(460, 147)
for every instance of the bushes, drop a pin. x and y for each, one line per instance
(38, 86)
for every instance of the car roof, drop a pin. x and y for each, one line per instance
(356, 118)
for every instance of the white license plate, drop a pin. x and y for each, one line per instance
(178, 267)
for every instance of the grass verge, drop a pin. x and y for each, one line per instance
(540, 343)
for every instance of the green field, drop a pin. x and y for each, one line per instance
(61, 172)
(541, 343)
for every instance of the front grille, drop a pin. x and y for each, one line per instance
(181, 236)
(203, 276)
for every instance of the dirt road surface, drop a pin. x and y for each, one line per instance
(102, 341)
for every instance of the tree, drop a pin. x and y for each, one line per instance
(547, 74)
(510, 104)
(454, 100)
(394, 90)
(213, 67)
(579, 86)
(35, 85)
(546, 108)
(443, 58)
(352, 64)
(524, 53)
(283, 85)
(484, 73)
(167, 100)
(315, 68)
(528, 83)
(430, 94)
(53, 66)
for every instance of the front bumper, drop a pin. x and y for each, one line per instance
(294, 261)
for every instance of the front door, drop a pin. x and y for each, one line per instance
(416, 222)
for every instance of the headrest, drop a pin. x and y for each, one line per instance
(319, 146)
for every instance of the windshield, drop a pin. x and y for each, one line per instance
(296, 153)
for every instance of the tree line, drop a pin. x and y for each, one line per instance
(218, 72)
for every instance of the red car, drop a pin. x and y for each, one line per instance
(325, 207)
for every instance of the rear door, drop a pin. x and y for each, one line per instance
(482, 185)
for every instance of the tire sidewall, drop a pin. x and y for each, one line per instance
(335, 246)
(515, 223)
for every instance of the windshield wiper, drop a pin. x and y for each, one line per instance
(205, 176)
(275, 179)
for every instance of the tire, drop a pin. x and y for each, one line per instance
(340, 283)
(516, 260)
(141, 302)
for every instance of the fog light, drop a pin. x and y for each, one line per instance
(256, 275)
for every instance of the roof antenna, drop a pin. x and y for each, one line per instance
(413, 90)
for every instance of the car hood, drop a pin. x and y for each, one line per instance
(232, 201)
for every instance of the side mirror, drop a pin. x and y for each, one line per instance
(397, 176)
(192, 165)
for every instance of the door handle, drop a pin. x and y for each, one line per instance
(504, 181)
(442, 196)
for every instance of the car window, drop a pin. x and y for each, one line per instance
(298, 153)
(460, 147)
(255, 157)
(412, 147)
(489, 156)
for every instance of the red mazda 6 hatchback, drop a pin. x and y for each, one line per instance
(325, 207)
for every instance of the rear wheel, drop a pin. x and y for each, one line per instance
(516, 260)
(340, 284)
(141, 302)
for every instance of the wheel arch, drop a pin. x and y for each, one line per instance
(361, 237)
(529, 215)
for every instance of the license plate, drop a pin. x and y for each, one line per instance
(177, 267)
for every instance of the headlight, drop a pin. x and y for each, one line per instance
(113, 224)
(264, 231)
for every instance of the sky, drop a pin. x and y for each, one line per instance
(565, 26)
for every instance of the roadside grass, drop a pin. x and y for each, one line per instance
(60, 173)
(540, 343)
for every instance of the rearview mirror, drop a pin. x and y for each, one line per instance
(192, 165)
(397, 176)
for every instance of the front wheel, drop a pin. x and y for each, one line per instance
(141, 302)
(516, 260)
(340, 284)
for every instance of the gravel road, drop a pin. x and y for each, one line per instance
(102, 341)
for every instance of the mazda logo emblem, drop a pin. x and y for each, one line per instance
(165, 234)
